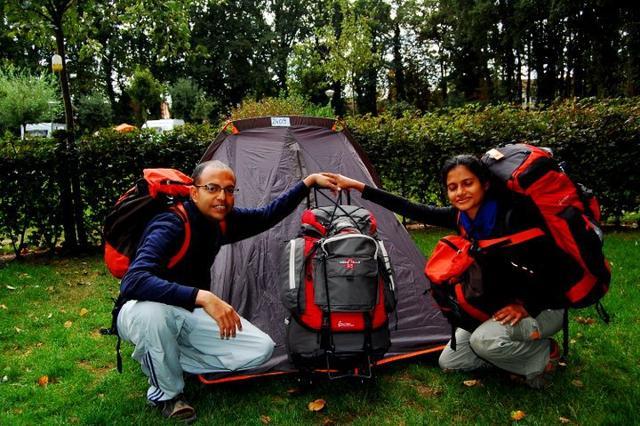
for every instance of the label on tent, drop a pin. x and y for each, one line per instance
(280, 122)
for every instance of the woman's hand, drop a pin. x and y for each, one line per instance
(511, 314)
(323, 180)
(345, 182)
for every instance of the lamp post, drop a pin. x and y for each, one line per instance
(56, 63)
(73, 219)
(329, 93)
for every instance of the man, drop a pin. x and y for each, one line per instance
(174, 321)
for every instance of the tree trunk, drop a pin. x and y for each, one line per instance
(401, 91)
(72, 165)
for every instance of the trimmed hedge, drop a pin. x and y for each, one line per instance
(110, 163)
(30, 210)
(599, 143)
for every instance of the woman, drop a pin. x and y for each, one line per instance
(517, 337)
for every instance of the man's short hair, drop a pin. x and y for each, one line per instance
(214, 164)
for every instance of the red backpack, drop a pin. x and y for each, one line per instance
(571, 214)
(337, 283)
(159, 190)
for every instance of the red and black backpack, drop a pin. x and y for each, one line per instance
(571, 214)
(337, 284)
(159, 190)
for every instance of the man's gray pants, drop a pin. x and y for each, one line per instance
(521, 349)
(170, 340)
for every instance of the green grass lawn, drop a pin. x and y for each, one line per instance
(51, 312)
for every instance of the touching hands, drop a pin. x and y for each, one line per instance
(344, 182)
(322, 180)
(227, 318)
(511, 314)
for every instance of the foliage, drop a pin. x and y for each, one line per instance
(429, 53)
(599, 143)
(292, 105)
(50, 321)
(30, 211)
(146, 92)
(185, 99)
(26, 98)
(94, 112)
(111, 162)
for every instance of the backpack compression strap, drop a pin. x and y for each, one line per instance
(511, 240)
(182, 214)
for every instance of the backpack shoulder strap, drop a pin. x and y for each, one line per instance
(182, 214)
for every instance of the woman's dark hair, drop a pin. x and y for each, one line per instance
(471, 162)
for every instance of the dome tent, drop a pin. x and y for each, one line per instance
(269, 155)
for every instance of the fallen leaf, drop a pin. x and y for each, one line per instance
(294, 391)
(577, 383)
(5, 379)
(3, 306)
(587, 320)
(50, 288)
(265, 420)
(39, 344)
(43, 381)
(18, 330)
(68, 324)
(472, 383)
(50, 315)
(518, 415)
(83, 312)
(11, 288)
(328, 422)
(564, 420)
(317, 405)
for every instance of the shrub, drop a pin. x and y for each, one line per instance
(598, 142)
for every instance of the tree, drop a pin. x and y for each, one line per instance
(290, 23)
(27, 98)
(185, 93)
(94, 112)
(48, 16)
(146, 93)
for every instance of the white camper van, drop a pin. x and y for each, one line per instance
(163, 125)
(40, 129)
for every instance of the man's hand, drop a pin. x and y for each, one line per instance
(345, 182)
(323, 180)
(227, 318)
(511, 314)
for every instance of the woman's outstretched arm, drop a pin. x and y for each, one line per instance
(431, 215)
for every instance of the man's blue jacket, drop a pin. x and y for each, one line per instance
(148, 277)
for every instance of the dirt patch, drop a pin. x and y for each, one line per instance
(96, 371)
(428, 391)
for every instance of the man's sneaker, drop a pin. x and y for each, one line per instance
(176, 409)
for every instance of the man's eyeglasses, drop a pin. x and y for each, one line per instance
(212, 188)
